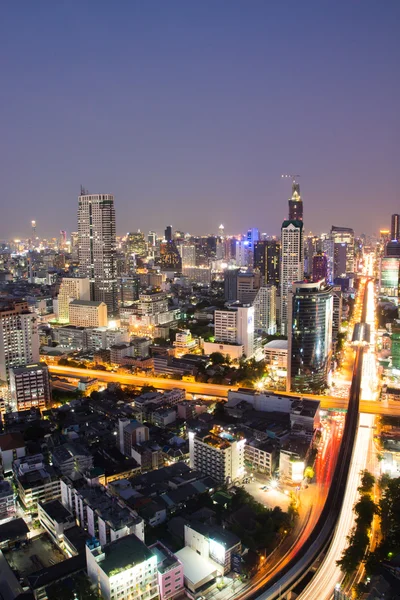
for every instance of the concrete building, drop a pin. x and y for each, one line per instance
(105, 517)
(170, 572)
(218, 454)
(19, 337)
(124, 569)
(276, 353)
(235, 326)
(131, 433)
(344, 237)
(36, 481)
(71, 337)
(213, 543)
(55, 519)
(88, 313)
(71, 288)
(265, 310)
(292, 265)
(30, 387)
(7, 500)
(97, 247)
(248, 285)
(72, 459)
(261, 456)
(12, 446)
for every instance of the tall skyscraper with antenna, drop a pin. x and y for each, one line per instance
(295, 203)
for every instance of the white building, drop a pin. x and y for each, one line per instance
(123, 570)
(276, 354)
(97, 247)
(234, 326)
(71, 288)
(213, 544)
(265, 310)
(219, 454)
(188, 254)
(19, 337)
(88, 313)
(292, 264)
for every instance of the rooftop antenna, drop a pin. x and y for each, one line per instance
(83, 191)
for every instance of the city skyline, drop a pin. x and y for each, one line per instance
(190, 114)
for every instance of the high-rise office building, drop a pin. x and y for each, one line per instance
(19, 337)
(188, 255)
(265, 310)
(320, 267)
(71, 288)
(295, 203)
(309, 337)
(230, 284)
(395, 228)
(248, 285)
(340, 236)
(129, 289)
(152, 239)
(136, 243)
(292, 265)
(97, 247)
(168, 233)
(266, 260)
(389, 280)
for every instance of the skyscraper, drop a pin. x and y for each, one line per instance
(319, 267)
(265, 310)
(309, 337)
(292, 265)
(395, 228)
(266, 260)
(341, 236)
(295, 203)
(168, 233)
(97, 247)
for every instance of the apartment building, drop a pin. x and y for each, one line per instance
(218, 453)
(88, 313)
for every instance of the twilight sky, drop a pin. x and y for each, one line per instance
(188, 111)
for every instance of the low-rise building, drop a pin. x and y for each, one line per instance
(12, 446)
(276, 354)
(104, 517)
(213, 543)
(170, 572)
(261, 456)
(123, 569)
(55, 519)
(36, 481)
(7, 500)
(72, 459)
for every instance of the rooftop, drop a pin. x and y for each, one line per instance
(86, 303)
(56, 510)
(11, 441)
(276, 345)
(124, 554)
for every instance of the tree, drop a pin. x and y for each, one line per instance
(217, 358)
(367, 482)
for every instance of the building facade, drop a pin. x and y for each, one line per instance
(292, 264)
(71, 288)
(88, 313)
(309, 337)
(19, 337)
(30, 387)
(97, 247)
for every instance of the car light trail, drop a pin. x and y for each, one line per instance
(329, 574)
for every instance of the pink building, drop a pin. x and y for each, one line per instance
(170, 572)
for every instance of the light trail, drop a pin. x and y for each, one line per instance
(329, 574)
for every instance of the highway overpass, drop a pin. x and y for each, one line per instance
(219, 391)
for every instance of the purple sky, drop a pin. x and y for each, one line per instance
(189, 111)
